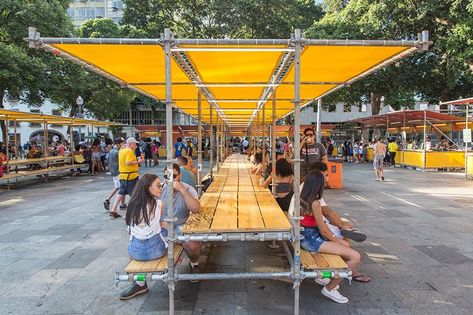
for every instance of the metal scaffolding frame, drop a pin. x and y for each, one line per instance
(291, 50)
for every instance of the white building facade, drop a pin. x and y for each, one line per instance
(83, 10)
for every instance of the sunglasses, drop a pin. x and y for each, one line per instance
(309, 134)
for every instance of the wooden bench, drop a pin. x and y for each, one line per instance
(153, 266)
(41, 171)
(322, 261)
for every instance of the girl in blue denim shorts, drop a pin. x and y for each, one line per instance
(318, 238)
(146, 231)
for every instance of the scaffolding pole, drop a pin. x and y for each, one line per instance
(263, 136)
(168, 39)
(211, 144)
(217, 134)
(296, 269)
(199, 145)
(319, 124)
(273, 145)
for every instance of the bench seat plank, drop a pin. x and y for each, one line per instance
(321, 261)
(156, 265)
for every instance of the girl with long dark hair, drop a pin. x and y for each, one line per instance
(318, 237)
(147, 233)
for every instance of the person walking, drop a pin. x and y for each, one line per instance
(392, 148)
(113, 168)
(128, 167)
(378, 161)
(179, 147)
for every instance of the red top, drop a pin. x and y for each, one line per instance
(309, 221)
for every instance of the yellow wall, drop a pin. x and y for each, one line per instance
(469, 165)
(445, 160)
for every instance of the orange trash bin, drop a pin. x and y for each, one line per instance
(335, 174)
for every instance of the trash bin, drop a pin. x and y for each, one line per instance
(335, 174)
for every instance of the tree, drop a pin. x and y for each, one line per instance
(22, 69)
(439, 74)
(221, 18)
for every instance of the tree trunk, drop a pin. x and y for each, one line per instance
(375, 101)
(3, 126)
(444, 98)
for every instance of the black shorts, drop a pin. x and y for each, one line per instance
(127, 186)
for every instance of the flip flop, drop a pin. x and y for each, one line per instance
(361, 278)
(355, 235)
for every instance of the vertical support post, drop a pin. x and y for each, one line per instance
(466, 143)
(211, 149)
(199, 144)
(46, 139)
(424, 158)
(296, 269)
(15, 144)
(6, 142)
(273, 145)
(71, 133)
(319, 123)
(263, 136)
(169, 200)
(218, 141)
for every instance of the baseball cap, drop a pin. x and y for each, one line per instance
(119, 140)
(131, 140)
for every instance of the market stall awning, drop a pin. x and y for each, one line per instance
(237, 78)
(12, 115)
(463, 101)
(405, 117)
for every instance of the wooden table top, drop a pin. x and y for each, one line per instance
(235, 202)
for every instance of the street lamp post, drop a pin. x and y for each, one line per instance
(79, 102)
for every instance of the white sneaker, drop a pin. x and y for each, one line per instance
(334, 295)
(324, 282)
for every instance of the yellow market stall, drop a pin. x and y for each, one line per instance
(425, 122)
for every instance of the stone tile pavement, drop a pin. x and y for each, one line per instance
(59, 251)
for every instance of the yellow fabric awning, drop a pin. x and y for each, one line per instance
(236, 80)
(12, 115)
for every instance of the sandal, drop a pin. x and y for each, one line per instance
(361, 278)
(355, 235)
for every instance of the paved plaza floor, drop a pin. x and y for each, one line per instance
(59, 251)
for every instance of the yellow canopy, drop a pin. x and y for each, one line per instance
(237, 80)
(12, 115)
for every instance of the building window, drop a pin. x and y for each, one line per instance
(346, 108)
(332, 108)
(56, 112)
(36, 111)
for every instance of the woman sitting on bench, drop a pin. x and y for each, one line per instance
(318, 237)
(147, 232)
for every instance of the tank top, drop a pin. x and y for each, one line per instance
(309, 221)
(144, 231)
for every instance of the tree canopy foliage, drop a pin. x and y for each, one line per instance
(440, 74)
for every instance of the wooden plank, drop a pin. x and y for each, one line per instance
(163, 264)
(307, 260)
(335, 261)
(226, 215)
(320, 261)
(200, 222)
(156, 265)
(274, 218)
(249, 215)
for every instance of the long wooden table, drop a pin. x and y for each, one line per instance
(235, 202)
